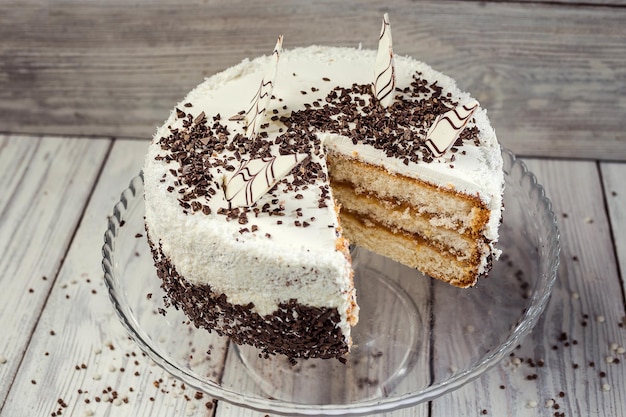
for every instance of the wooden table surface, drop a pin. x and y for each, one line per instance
(84, 83)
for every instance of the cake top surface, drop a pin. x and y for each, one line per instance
(322, 99)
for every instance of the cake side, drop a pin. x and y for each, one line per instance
(293, 329)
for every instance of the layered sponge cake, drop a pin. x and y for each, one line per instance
(251, 207)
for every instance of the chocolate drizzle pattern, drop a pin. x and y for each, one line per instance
(447, 127)
(256, 112)
(257, 176)
(385, 78)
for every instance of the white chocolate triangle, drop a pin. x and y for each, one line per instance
(256, 113)
(385, 73)
(255, 177)
(447, 127)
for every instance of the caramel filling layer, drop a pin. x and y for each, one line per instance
(402, 206)
(394, 190)
(444, 250)
(404, 249)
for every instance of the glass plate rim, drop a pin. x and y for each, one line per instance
(525, 324)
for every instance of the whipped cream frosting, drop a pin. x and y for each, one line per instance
(284, 245)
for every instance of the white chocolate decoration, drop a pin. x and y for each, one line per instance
(256, 112)
(385, 73)
(447, 127)
(255, 177)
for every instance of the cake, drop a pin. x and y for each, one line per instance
(251, 205)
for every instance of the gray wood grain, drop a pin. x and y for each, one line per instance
(572, 3)
(45, 183)
(90, 355)
(613, 175)
(552, 76)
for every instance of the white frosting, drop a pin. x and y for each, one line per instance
(296, 261)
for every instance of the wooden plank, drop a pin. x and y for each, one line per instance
(573, 3)
(613, 175)
(559, 367)
(550, 75)
(46, 183)
(54, 179)
(80, 360)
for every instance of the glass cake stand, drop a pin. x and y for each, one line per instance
(417, 338)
